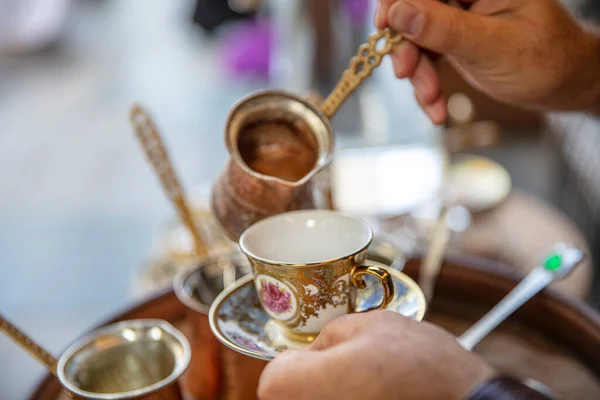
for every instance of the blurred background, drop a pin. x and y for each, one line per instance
(80, 208)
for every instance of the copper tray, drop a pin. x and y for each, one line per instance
(553, 339)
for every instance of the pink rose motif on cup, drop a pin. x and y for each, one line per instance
(275, 299)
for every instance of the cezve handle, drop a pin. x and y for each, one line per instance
(361, 66)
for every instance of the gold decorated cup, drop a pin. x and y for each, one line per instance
(136, 359)
(307, 267)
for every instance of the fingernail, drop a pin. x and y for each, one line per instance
(407, 19)
(437, 112)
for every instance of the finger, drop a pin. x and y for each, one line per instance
(436, 111)
(350, 326)
(496, 7)
(284, 373)
(448, 30)
(425, 80)
(338, 331)
(405, 57)
(287, 375)
(381, 12)
(383, 6)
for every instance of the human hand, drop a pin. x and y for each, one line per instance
(528, 53)
(375, 355)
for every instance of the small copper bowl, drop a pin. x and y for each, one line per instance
(137, 359)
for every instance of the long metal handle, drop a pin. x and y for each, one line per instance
(432, 262)
(361, 66)
(534, 282)
(558, 264)
(47, 359)
(155, 150)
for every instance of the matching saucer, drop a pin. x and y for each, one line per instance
(238, 320)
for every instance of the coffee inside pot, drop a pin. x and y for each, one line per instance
(284, 149)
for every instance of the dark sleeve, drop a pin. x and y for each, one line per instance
(507, 388)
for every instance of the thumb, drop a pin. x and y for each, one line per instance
(351, 326)
(449, 30)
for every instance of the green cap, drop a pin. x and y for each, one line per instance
(553, 262)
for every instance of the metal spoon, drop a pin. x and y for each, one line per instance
(29, 345)
(432, 262)
(450, 219)
(557, 265)
(152, 143)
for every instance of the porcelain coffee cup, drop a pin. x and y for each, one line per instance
(307, 266)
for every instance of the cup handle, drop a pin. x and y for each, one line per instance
(384, 277)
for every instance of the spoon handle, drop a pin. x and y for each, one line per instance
(361, 66)
(29, 345)
(155, 150)
(535, 281)
(432, 262)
